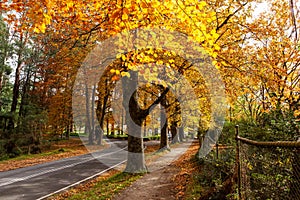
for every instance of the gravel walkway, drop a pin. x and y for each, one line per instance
(158, 183)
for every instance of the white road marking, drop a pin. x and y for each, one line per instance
(81, 181)
(56, 169)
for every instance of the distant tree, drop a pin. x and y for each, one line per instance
(5, 70)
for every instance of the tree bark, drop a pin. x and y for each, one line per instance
(93, 116)
(101, 107)
(122, 122)
(175, 136)
(107, 126)
(16, 88)
(181, 133)
(88, 117)
(24, 96)
(135, 158)
(4, 53)
(135, 117)
(164, 143)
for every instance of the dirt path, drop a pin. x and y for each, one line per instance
(155, 185)
(163, 180)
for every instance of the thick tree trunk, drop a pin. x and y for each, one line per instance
(181, 133)
(135, 159)
(135, 117)
(100, 139)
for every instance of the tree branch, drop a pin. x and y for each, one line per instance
(230, 16)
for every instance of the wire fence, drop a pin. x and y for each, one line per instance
(267, 170)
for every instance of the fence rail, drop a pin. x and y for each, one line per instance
(286, 144)
(267, 170)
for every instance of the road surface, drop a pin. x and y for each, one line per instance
(40, 181)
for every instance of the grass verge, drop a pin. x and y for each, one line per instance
(58, 150)
(40, 155)
(101, 189)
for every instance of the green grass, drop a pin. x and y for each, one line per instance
(155, 137)
(40, 155)
(148, 138)
(106, 189)
(117, 136)
(194, 191)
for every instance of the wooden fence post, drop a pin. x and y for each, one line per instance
(238, 166)
(217, 150)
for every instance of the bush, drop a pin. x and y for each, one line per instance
(228, 134)
(155, 137)
(123, 137)
(74, 134)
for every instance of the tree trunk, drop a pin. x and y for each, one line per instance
(135, 117)
(93, 116)
(145, 129)
(4, 36)
(16, 88)
(88, 117)
(101, 108)
(112, 128)
(69, 128)
(181, 134)
(101, 120)
(24, 95)
(164, 144)
(122, 123)
(68, 132)
(135, 158)
(175, 136)
(100, 139)
(107, 126)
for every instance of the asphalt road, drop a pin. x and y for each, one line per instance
(40, 181)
